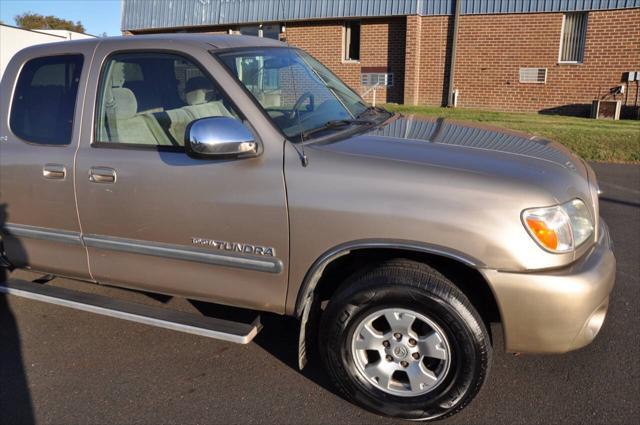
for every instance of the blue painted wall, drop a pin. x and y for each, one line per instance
(149, 14)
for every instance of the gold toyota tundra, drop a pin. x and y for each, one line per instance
(240, 171)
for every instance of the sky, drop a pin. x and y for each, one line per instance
(97, 16)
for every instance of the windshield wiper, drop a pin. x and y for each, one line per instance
(372, 109)
(335, 124)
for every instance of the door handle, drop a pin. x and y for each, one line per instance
(54, 171)
(102, 175)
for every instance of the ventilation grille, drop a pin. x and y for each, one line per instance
(375, 78)
(533, 75)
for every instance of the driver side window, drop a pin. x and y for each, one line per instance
(149, 99)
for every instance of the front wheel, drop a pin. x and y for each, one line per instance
(403, 341)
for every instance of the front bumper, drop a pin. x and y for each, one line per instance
(559, 310)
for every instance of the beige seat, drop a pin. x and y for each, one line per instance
(198, 91)
(174, 123)
(124, 124)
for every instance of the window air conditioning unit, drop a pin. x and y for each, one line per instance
(606, 109)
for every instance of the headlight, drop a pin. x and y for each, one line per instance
(561, 228)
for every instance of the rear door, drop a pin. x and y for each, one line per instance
(40, 129)
(156, 219)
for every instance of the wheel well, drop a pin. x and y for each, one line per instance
(466, 278)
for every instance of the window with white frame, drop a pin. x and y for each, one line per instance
(572, 40)
(376, 78)
(351, 41)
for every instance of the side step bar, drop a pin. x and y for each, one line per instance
(240, 333)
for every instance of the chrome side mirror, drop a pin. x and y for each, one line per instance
(220, 137)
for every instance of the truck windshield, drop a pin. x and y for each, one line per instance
(299, 93)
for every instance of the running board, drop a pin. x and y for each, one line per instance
(237, 332)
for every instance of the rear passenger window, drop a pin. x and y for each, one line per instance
(44, 101)
(150, 99)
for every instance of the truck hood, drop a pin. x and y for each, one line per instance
(472, 150)
(471, 139)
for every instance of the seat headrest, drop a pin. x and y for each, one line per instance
(124, 72)
(124, 104)
(117, 74)
(198, 90)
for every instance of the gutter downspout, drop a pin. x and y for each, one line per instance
(452, 66)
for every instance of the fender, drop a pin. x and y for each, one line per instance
(306, 305)
(315, 272)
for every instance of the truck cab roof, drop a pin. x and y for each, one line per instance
(215, 41)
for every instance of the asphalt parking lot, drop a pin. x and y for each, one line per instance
(61, 366)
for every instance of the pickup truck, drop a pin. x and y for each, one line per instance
(240, 171)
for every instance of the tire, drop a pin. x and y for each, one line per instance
(402, 289)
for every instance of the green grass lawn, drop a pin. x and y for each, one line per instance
(593, 140)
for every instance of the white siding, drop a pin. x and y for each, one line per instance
(13, 39)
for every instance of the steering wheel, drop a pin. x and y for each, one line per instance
(299, 102)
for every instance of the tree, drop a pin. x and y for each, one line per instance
(35, 21)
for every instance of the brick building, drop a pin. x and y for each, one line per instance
(515, 55)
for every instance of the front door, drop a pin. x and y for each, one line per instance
(40, 129)
(156, 219)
